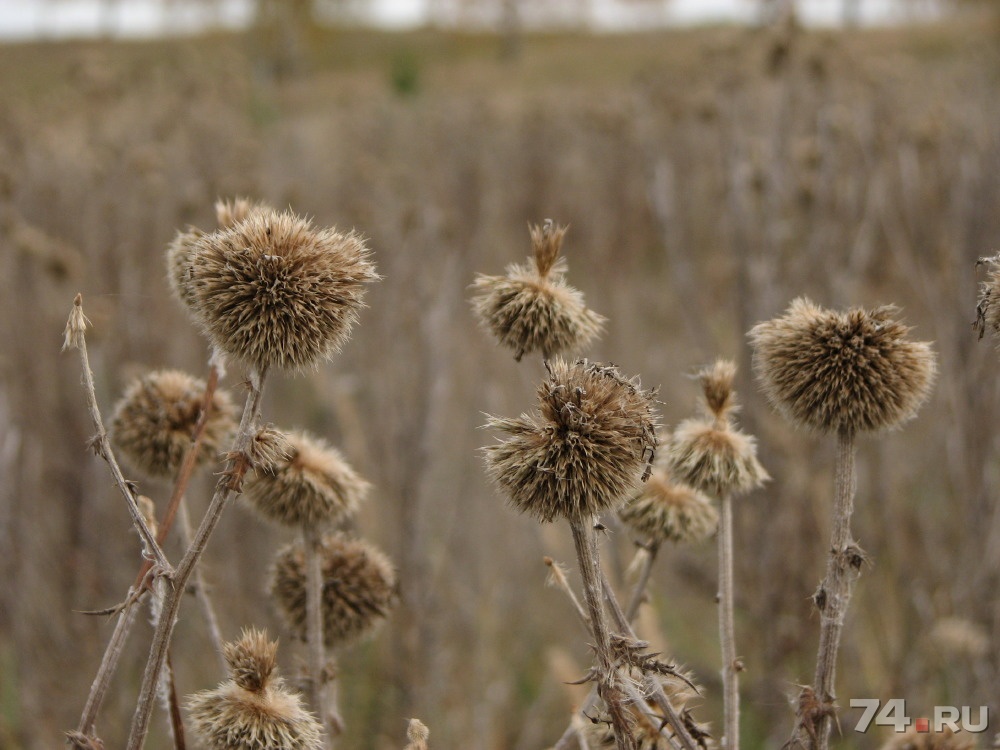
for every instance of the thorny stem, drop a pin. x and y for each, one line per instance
(639, 592)
(727, 630)
(585, 541)
(229, 485)
(126, 617)
(842, 568)
(76, 338)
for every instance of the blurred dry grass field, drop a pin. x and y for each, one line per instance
(708, 177)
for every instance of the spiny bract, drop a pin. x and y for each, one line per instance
(848, 371)
(584, 452)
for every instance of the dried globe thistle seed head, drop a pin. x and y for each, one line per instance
(179, 267)
(273, 291)
(546, 242)
(235, 210)
(911, 739)
(264, 717)
(359, 587)
(831, 371)
(717, 461)
(668, 511)
(153, 422)
(312, 484)
(252, 659)
(717, 388)
(417, 734)
(269, 449)
(584, 452)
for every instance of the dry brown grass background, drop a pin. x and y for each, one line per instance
(708, 177)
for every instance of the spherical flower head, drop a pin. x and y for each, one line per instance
(847, 372)
(911, 739)
(311, 484)
(532, 308)
(253, 710)
(584, 452)
(668, 511)
(273, 291)
(179, 267)
(232, 211)
(153, 422)
(359, 587)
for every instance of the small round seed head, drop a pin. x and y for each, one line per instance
(668, 511)
(312, 483)
(253, 710)
(359, 587)
(271, 290)
(179, 267)
(252, 659)
(153, 422)
(719, 461)
(417, 734)
(831, 371)
(584, 452)
(532, 308)
(717, 388)
(911, 739)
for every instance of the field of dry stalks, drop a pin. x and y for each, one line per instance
(707, 177)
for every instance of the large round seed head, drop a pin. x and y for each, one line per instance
(273, 291)
(911, 739)
(532, 308)
(153, 422)
(720, 461)
(359, 587)
(831, 371)
(311, 484)
(584, 452)
(668, 511)
(253, 710)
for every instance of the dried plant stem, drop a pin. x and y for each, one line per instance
(651, 685)
(585, 541)
(230, 485)
(727, 629)
(842, 567)
(311, 542)
(99, 688)
(176, 721)
(76, 338)
(639, 592)
(201, 589)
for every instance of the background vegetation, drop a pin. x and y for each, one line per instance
(708, 177)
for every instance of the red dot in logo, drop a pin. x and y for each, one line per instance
(923, 725)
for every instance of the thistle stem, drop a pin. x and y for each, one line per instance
(639, 592)
(727, 629)
(832, 598)
(229, 485)
(585, 541)
(312, 542)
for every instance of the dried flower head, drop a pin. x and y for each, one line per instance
(417, 734)
(179, 267)
(717, 389)
(359, 587)
(253, 710)
(76, 326)
(153, 422)
(532, 308)
(911, 739)
(669, 511)
(957, 636)
(832, 371)
(312, 483)
(584, 452)
(232, 211)
(271, 290)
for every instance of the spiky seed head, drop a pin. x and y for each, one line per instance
(153, 422)
(179, 267)
(269, 448)
(311, 484)
(417, 734)
(273, 291)
(851, 371)
(359, 587)
(232, 211)
(719, 461)
(584, 452)
(668, 511)
(252, 659)
(717, 388)
(253, 710)
(532, 308)
(911, 739)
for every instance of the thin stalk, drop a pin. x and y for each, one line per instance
(585, 541)
(639, 592)
(176, 722)
(843, 564)
(230, 485)
(102, 680)
(316, 646)
(727, 630)
(201, 589)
